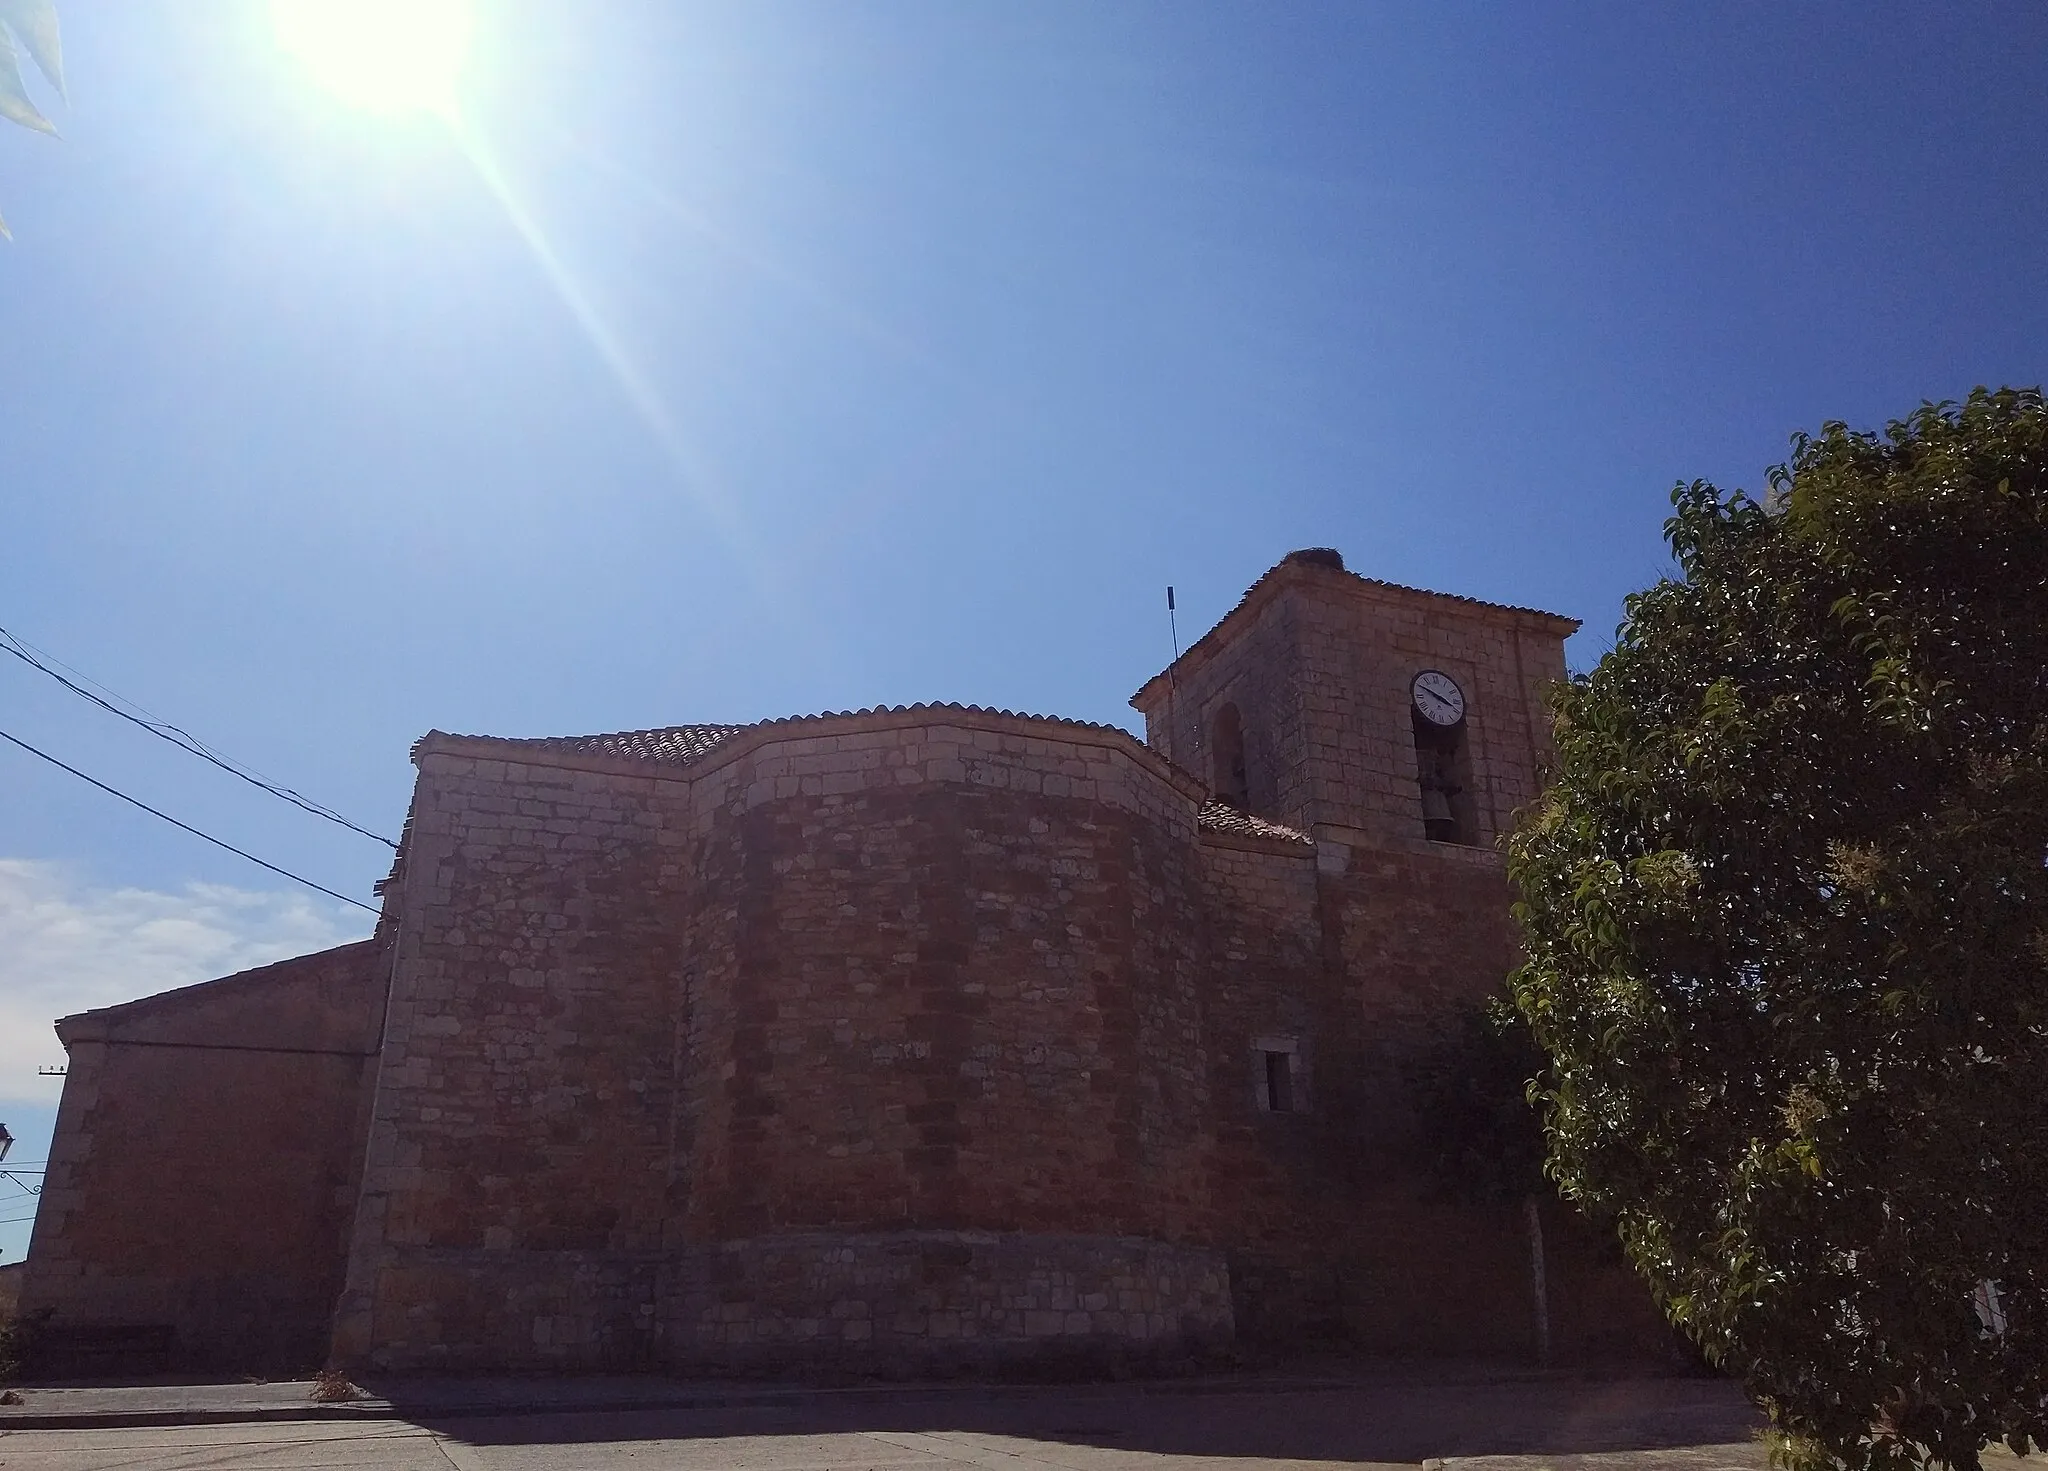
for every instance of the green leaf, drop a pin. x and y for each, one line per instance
(15, 105)
(35, 21)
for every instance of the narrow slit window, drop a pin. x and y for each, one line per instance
(1279, 1082)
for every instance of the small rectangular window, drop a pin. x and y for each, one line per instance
(1280, 1082)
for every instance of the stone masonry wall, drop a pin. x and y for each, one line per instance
(1421, 932)
(204, 1165)
(829, 981)
(521, 1148)
(1319, 663)
(1358, 950)
(924, 980)
(912, 1041)
(1359, 655)
(1259, 670)
(947, 1302)
(1359, 956)
(1268, 985)
(901, 975)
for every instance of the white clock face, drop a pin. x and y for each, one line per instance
(1438, 698)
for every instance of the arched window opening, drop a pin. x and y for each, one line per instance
(1448, 812)
(1226, 750)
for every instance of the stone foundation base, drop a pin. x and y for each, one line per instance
(944, 1302)
(455, 1309)
(909, 1302)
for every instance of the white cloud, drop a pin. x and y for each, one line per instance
(66, 947)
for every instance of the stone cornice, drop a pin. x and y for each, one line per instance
(755, 738)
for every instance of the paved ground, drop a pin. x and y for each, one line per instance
(1664, 1425)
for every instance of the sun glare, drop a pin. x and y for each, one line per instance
(387, 56)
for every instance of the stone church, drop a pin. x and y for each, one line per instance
(928, 1039)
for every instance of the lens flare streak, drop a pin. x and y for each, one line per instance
(640, 394)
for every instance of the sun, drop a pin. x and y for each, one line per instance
(386, 56)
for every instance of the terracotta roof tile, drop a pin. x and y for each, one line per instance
(669, 745)
(685, 745)
(1221, 817)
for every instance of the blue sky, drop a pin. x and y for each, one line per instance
(810, 356)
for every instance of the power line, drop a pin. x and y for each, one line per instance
(184, 740)
(137, 802)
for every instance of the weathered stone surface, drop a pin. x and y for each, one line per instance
(943, 1301)
(205, 1161)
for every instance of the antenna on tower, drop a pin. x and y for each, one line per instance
(1172, 682)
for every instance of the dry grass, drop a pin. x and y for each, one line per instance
(332, 1385)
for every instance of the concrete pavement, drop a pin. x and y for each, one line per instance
(1644, 1425)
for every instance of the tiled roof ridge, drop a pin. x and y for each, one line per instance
(1219, 816)
(1285, 565)
(685, 745)
(1458, 597)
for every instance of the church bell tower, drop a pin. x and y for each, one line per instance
(1361, 711)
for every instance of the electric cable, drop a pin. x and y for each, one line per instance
(184, 740)
(209, 837)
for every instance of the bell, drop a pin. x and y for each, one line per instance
(1436, 807)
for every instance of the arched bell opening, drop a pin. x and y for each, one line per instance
(1443, 772)
(1226, 746)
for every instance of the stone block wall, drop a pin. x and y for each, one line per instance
(1319, 663)
(912, 1041)
(663, 1043)
(950, 1302)
(821, 981)
(1360, 654)
(1335, 1231)
(925, 978)
(1265, 986)
(521, 1150)
(205, 1162)
(1259, 670)
(567, 1310)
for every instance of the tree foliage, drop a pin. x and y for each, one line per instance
(31, 26)
(1786, 915)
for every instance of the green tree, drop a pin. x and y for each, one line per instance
(33, 25)
(1786, 917)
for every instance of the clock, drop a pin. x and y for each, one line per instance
(1438, 698)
